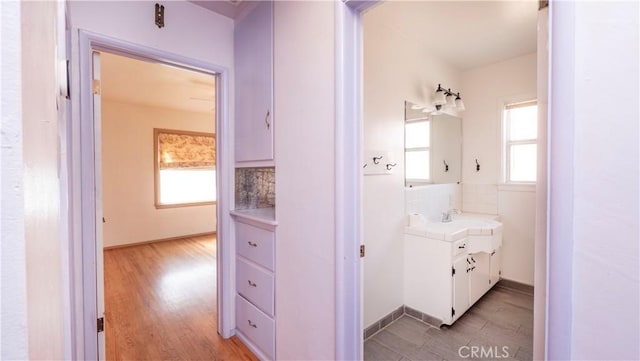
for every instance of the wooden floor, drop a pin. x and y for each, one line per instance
(160, 303)
(501, 321)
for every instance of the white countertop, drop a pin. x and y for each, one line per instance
(463, 225)
(262, 215)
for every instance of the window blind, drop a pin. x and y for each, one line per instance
(185, 150)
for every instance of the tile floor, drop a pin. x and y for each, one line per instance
(498, 327)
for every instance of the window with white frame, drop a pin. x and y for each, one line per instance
(185, 168)
(417, 142)
(520, 134)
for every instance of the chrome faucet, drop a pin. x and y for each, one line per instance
(446, 216)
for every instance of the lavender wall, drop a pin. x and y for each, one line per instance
(594, 279)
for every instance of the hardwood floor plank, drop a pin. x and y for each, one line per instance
(160, 303)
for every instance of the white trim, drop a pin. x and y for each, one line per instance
(505, 143)
(516, 187)
(560, 177)
(80, 157)
(348, 128)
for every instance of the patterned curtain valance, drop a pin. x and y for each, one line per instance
(180, 149)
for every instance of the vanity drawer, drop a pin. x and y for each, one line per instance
(255, 244)
(256, 285)
(460, 246)
(256, 326)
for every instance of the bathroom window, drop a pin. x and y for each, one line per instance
(185, 173)
(417, 153)
(520, 132)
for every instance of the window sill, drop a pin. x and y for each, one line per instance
(181, 205)
(517, 187)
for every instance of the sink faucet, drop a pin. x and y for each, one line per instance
(446, 216)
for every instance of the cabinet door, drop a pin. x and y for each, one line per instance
(460, 287)
(478, 276)
(253, 56)
(496, 266)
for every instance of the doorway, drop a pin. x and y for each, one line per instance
(158, 193)
(350, 30)
(88, 211)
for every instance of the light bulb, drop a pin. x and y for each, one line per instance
(459, 104)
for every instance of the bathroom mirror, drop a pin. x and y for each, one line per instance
(433, 146)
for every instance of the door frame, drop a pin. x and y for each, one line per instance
(81, 130)
(349, 138)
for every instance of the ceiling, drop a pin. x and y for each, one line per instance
(465, 34)
(135, 81)
(233, 9)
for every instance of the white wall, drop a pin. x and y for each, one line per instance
(395, 69)
(604, 126)
(41, 180)
(128, 175)
(486, 89)
(304, 96)
(13, 286)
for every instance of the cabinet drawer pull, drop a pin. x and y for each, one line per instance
(266, 119)
(251, 244)
(464, 245)
(252, 324)
(252, 284)
(493, 253)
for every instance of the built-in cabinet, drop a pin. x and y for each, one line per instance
(253, 62)
(443, 278)
(255, 228)
(255, 282)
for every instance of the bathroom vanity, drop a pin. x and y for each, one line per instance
(449, 266)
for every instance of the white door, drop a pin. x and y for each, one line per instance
(460, 287)
(478, 276)
(496, 263)
(97, 129)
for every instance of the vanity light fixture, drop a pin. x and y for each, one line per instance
(447, 99)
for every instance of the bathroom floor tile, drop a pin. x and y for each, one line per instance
(375, 351)
(501, 318)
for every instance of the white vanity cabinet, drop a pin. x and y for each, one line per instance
(255, 282)
(443, 279)
(253, 69)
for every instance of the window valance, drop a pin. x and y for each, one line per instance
(177, 149)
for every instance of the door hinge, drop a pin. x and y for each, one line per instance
(361, 250)
(63, 75)
(96, 87)
(453, 271)
(453, 312)
(101, 324)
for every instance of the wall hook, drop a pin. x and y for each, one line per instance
(389, 165)
(159, 15)
(376, 160)
(446, 166)
(477, 165)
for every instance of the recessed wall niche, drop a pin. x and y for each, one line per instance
(255, 188)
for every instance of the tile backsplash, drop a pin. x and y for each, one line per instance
(255, 188)
(480, 198)
(432, 200)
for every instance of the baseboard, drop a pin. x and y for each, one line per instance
(396, 314)
(383, 322)
(159, 240)
(423, 317)
(516, 286)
